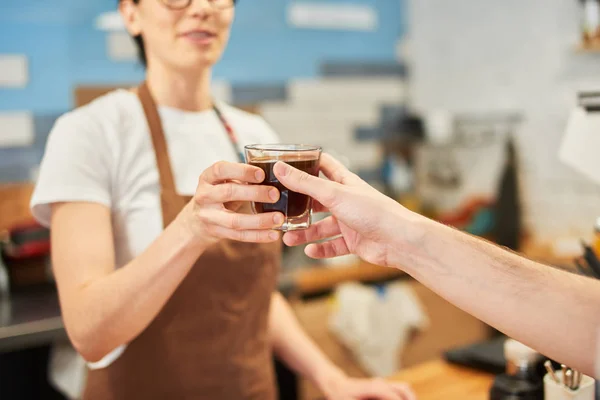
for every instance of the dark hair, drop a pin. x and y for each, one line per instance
(139, 43)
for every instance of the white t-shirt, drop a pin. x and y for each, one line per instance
(103, 153)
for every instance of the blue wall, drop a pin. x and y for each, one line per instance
(64, 48)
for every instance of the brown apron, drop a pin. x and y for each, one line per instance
(210, 340)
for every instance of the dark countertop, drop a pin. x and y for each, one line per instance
(30, 318)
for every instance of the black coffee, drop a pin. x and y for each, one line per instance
(291, 204)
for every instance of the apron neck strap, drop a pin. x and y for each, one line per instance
(157, 134)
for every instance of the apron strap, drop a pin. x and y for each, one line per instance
(167, 182)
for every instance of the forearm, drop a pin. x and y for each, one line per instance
(291, 343)
(553, 311)
(115, 308)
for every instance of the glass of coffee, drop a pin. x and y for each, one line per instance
(296, 207)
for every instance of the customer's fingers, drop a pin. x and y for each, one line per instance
(337, 172)
(225, 171)
(323, 191)
(249, 236)
(333, 248)
(324, 229)
(232, 220)
(228, 192)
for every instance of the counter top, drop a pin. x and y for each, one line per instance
(33, 317)
(30, 318)
(312, 280)
(440, 380)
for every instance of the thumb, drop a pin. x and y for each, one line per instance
(299, 181)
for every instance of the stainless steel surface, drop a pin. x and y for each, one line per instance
(4, 282)
(548, 366)
(30, 319)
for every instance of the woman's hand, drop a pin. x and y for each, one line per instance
(215, 212)
(342, 387)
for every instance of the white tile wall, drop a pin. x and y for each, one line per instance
(347, 92)
(16, 129)
(347, 17)
(14, 71)
(486, 55)
(121, 47)
(328, 111)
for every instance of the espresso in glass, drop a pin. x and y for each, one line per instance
(296, 207)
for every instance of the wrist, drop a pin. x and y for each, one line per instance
(408, 235)
(187, 231)
(327, 378)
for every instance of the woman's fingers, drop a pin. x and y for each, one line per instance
(248, 236)
(229, 192)
(226, 171)
(333, 248)
(377, 389)
(324, 229)
(404, 390)
(235, 221)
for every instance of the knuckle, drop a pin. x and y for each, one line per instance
(235, 221)
(217, 168)
(303, 176)
(227, 191)
(203, 217)
(201, 197)
(244, 236)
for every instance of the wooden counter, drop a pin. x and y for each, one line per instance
(440, 380)
(312, 280)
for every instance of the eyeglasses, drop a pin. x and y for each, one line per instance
(181, 4)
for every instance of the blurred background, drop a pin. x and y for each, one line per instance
(456, 109)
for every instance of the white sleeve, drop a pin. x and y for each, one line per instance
(76, 166)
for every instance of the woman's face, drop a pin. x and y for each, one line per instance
(186, 39)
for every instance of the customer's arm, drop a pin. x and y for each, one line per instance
(104, 307)
(555, 312)
(300, 353)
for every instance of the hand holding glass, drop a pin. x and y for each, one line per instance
(296, 207)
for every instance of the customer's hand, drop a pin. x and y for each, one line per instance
(215, 212)
(363, 221)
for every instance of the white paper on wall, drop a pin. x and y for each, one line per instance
(580, 148)
(110, 21)
(313, 15)
(121, 47)
(16, 129)
(13, 71)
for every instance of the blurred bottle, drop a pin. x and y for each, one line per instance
(521, 380)
(590, 23)
(596, 244)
